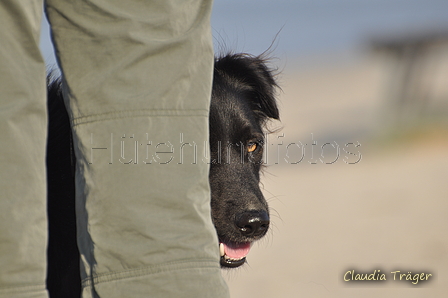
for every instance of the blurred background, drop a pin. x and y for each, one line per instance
(358, 173)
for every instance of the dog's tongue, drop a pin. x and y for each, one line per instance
(236, 251)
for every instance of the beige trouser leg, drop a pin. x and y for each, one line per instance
(23, 131)
(139, 75)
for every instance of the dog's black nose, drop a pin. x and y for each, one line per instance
(253, 223)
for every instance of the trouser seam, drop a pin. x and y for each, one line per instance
(154, 269)
(18, 289)
(139, 113)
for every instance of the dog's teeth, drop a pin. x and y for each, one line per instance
(232, 259)
(221, 249)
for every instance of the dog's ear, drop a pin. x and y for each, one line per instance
(255, 76)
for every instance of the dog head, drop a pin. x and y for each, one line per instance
(243, 100)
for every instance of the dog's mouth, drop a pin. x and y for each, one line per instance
(233, 254)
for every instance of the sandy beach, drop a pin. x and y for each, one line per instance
(376, 206)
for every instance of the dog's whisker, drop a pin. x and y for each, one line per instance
(275, 213)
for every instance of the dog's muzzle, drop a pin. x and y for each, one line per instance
(252, 225)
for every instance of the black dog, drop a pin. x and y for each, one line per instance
(243, 100)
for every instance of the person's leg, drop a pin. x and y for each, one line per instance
(139, 77)
(23, 131)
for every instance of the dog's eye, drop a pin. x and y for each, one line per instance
(252, 147)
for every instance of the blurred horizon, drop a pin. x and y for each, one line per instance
(308, 28)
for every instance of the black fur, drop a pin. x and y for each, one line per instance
(243, 99)
(63, 277)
